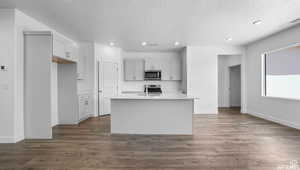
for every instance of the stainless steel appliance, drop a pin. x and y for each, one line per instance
(153, 89)
(152, 75)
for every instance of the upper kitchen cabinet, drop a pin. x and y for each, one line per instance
(64, 48)
(171, 69)
(82, 62)
(134, 69)
(175, 69)
(153, 64)
(71, 51)
(58, 47)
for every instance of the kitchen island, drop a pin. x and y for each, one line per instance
(153, 115)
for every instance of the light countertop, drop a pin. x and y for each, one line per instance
(143, 96)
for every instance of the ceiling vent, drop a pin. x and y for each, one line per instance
(295, 21)
(153, 44)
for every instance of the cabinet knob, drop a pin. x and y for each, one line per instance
(134, 78)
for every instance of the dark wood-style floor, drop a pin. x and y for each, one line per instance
(228, 141)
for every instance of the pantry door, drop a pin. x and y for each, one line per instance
(107, 85)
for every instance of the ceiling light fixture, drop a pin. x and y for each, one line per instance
(257, 22)
(176, 43)
(112, 44)
(144, 43)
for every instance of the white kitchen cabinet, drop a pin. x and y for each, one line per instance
(71, 52)
(153, 64)
(82, 62)
(134, 69)
(64, 49)
(85, 106)
(171, 69)
(175, 69)
(58, 47)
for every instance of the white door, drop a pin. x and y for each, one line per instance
(108, 85)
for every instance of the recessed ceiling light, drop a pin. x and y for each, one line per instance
(228, 39)
(144, 43)
(112, 44)
(257, 22)
(176, 43)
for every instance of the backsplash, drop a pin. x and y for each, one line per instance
(167, 86)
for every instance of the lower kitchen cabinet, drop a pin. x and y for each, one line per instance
(85, 106)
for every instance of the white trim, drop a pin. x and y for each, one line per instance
(274, 119)
(19, 138)
(86, 117)
(281, 98)
(7, 139)
(282, 48)
(207, 112)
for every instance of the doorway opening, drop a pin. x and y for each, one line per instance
(235, 86)
(229, 83)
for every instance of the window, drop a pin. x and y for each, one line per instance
(281, 73)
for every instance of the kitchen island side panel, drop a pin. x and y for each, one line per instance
(153, 117)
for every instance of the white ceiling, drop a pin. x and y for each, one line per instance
(191, 22)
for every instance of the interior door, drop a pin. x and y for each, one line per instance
(107, 85)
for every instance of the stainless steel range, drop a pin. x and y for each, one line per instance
(153, 89)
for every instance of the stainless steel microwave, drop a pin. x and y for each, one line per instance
(152, 75)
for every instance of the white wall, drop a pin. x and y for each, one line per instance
(167, 86)
(12, 24)
(54, 102)
(7, 78)
(284, 111)
(202, 75)
(224, 62)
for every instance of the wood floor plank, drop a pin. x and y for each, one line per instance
(228, 141)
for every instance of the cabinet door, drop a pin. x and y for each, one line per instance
(71, 52)
(129, 70)
(165, 69)
(153, 64)
(86, 105)
(175, 69)
(81, 107)
(139, 69)
(134, 69)
(82, 63)
(58, 48)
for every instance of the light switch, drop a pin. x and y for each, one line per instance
(3, 68)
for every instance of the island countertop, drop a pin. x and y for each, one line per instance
(153, 97)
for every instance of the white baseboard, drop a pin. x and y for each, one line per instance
(7, 139)
(19, 138)
(274, 119)
(206, 113)
(86, 117)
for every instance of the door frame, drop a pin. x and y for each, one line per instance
(99, 71)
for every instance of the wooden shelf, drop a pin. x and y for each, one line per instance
(61, 60)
